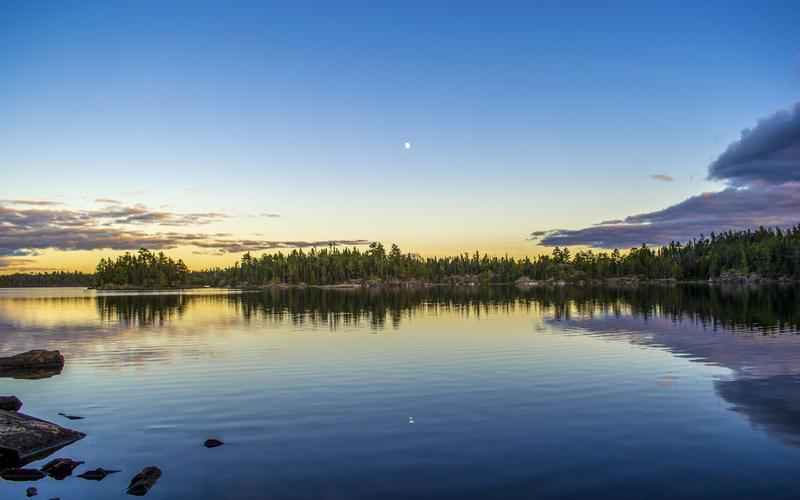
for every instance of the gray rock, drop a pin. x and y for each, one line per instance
(10, 403)
(212, 443)
(38, 358)
(22, 474)
(60, 468)
(144, 481)
(97, 474)
(23, 438)
(31, 492)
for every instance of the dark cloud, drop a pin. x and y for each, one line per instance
(662, 177)
(769, 153)
(762, 171)
(23, 231)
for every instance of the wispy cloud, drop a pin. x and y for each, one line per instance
(762, 171)
(108, 201)
(26, 230)
(39, 203)
(17, 264)
(270, 215)
(662, 177)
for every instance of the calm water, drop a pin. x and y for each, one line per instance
(663, 393)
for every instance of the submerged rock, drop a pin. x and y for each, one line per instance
(97, 474)
(22, 474)
(212, 443)
(10, 403)
(71, 417)
(31, 492)
(143, 481)
(60, 468)
(24, 438)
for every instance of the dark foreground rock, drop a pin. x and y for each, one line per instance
(32, 364)
(38, 358)
(10, 403)
(24, 438)
(31, 492)
(97, 474)
(22, 474)
(212, 443)
(60, 468)
(143, 481)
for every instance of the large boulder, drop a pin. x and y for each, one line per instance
(10, 403)
(38, 358)
(32, 365)
(24, 438)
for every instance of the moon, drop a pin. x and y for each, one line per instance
(407, 145)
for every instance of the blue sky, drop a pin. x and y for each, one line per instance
(521, 117)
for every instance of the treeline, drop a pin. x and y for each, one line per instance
(56, 278)
(144, 269)
(769, 253)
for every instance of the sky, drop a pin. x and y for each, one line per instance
(207, 129)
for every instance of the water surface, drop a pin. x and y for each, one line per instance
(685, 392)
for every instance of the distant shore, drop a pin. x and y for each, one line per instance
(473, 282)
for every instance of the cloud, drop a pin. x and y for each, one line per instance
(10, 264)
(109, 201)
(270, 215)
(31, 202)
(762, 173)
(23, 231)
(769, 153)
(662, 177)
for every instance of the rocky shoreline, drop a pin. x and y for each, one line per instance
(728, 278)
(25, 439)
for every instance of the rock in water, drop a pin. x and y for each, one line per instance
(212, 443)
(96, 475)
(10, 403)
(31, 492)
(71, 417)
(60, 468)
(22, 475)
(23, 438)
(32, 365)
(34, 359)
(143, 481)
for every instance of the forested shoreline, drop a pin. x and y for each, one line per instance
(45, 279)
(752, 255)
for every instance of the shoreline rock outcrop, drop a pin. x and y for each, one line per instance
(24, 438)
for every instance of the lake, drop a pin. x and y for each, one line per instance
(664, 392)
